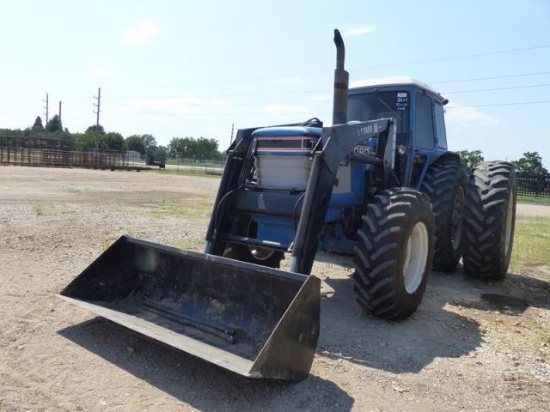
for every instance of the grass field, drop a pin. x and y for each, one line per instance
(539, 200)
(532, 241)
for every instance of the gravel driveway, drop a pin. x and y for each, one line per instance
(470, 346)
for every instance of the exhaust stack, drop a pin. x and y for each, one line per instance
(341, 83)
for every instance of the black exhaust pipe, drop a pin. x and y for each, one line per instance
(341, 83)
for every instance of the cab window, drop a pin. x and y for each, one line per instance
(424, 123)
(440, 126)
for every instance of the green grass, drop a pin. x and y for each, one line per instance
(539, 200)
(531, 241)
(190, 207)
(42, 210)
(186, 172)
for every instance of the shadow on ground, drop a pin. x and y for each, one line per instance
(200, 384)
(513, 295)
(437, 330)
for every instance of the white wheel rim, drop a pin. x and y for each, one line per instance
(416, 256)
(261, 253)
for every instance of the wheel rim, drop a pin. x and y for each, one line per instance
(509, 223)
(416, 253)
(458, 209)
(261, 253)
(258, 253)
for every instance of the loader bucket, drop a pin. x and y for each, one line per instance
(255, 321)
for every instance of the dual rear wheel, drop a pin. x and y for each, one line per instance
(404, 233)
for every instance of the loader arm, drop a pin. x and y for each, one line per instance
(233, 199)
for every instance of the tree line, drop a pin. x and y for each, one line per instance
(54, 136)
(531, 162)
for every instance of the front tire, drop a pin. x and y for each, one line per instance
(394, 253)
(489, 220)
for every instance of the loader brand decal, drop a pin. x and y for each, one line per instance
(402, 101)
(368, 129)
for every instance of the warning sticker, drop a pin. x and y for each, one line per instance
(402, 101)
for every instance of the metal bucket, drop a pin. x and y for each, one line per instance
(255, 321)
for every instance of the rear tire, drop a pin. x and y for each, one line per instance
(489, 220)
(394, 253)
(445, 184)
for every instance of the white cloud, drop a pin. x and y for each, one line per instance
(284, 109)
(358, 31)
(141, 32)
(463, 116)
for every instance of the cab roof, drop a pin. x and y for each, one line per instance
(395, 82)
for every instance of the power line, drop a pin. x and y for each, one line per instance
(490, 78)
(152, 113)
(327, 90)
(434, 60)
(498, 88)
(463, 57)
(500, 104)
(329, 97)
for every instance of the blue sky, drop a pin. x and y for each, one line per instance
(195, 68)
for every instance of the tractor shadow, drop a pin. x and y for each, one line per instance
(513, 295)
(202, 385)
(442, 327)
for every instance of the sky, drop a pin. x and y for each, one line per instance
(178, 68)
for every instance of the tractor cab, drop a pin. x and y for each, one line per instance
(419, 115)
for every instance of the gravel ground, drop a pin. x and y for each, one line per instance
(470, 346)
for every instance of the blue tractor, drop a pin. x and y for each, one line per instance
(380, 184)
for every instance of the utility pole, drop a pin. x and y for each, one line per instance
(46, 108)
(98, 106)
(60, 111)
(98, 109)
(232, 128)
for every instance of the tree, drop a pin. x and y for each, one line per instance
(531, 162)
(470, 158)
(115, 141)
(150, 141)
(54, 125)
(89, 141)
(38, 126)
(191, 148)
(136, 143)
(157, 152)
(95, 129)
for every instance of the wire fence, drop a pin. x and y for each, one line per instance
(213, 167)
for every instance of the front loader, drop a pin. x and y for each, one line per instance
(379, 184)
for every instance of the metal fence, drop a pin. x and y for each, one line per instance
(213, 167)
(533, 184)
(100, 159)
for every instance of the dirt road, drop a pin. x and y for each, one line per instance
(471, 346)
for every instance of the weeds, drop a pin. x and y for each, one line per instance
(191, 208)
(44, 210)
